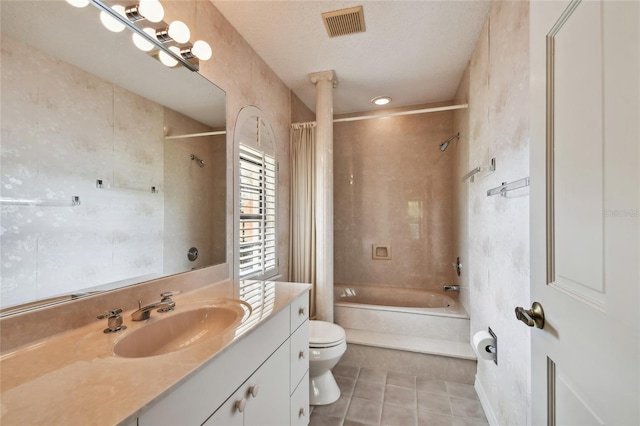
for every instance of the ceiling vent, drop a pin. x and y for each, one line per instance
(344, 21)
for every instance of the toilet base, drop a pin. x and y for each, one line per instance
(323, 389)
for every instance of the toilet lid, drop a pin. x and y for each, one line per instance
(322, 333)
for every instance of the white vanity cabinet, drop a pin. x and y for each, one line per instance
(259, 401)
(259, 380)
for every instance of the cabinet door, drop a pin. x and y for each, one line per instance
(229, 413)
(299, 354)
(265, 395)
(299, 311)
(270, 405)
(300, 403)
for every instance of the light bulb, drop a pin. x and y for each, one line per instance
(111, 23)
(169, 60)
(78, 3)
(179, 31)
(201, 50)
(141, 42)
(152, 10)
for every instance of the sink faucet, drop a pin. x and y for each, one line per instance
(164, 305)
(449, 287)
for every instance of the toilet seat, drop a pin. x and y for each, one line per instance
(323, 334)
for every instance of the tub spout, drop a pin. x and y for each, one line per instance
(449, 287)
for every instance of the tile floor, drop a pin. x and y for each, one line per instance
(375, 397)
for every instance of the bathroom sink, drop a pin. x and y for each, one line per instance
(181, 330)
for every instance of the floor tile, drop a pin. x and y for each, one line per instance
(372, 397)
(346, 371)
(346, 385)
(467, 408)
(376, 376)
(338, 408)
(460, 390)
(393, 415)
(354, 423)
(318, 419)
(435, 403)
(401, 380)
(432, 386)
(460, 421)
(369, 390)
(427, 418)
(361, 410)
(400, 396)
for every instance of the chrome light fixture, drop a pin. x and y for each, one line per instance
(169, 43)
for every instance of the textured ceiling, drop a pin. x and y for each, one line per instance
(413, 51)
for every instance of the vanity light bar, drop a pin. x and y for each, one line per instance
(191, 64)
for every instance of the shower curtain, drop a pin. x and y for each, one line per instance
(302, 227)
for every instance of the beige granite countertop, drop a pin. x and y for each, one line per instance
(74, 377)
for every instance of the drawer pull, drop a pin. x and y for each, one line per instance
(240, 404)
(302, 412)
(253, 390)
(301, 311)
(301, 355)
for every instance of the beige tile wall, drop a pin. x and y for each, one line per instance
(393, 186)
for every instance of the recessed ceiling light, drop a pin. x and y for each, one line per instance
(381, 100)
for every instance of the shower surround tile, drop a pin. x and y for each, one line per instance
(393, 186)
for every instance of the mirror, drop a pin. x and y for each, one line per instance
(101, 184)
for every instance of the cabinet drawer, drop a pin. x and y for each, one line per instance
(299, 311)
(299, 354)
(300, 403)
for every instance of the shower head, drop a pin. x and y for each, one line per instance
(197, 160)
(445, 144)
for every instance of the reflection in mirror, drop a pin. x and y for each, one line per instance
(85, 114)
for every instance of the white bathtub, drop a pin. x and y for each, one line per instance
(400, 311)
(397, 299)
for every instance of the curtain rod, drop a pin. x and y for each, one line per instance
(197, 135)
(394, 114)
(391, 114)
(306, 125)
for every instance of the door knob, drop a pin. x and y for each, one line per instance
(531, 317)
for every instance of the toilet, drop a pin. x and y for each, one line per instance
(327, 344)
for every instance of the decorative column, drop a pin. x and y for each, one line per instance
(325, 81)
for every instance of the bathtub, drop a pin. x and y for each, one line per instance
(401, 311)
(415, 332)
(397, 299)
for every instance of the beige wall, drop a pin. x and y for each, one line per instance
(493, 232)
(392, 185)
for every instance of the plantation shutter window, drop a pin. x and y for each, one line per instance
(257, 254)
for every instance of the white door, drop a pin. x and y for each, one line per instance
(585, 191)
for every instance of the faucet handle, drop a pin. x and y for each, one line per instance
(114, 320)
(166, 299)
(113, 313)
(167, 295)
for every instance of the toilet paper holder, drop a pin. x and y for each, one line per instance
(493, 348)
